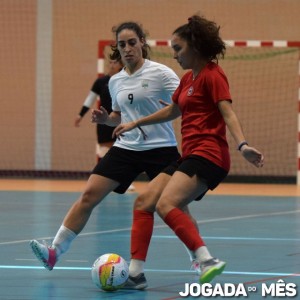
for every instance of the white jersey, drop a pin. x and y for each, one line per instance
(137, 96)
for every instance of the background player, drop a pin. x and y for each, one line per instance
(100, 90)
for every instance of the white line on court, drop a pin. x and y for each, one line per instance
(165, 226)
(152, 270)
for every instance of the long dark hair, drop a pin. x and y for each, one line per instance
(139, 32)
(203, 36)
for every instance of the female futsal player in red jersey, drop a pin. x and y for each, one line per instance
(204, 102)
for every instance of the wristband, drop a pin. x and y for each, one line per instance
(241, 145)
(83, 110)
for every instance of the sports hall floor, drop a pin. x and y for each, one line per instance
(255, 228)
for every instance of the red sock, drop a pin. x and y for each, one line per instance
(184, 228)
(141, 233)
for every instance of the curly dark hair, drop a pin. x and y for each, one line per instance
(203, 36)
(115, 55)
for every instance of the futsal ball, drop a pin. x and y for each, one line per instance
(110, 272)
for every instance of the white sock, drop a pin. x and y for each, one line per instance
(136, 267)
(202, 254)
(63, 240)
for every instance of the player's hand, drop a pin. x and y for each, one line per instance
(122, 128)
(99, 116)
(77, 121)
(253, 156)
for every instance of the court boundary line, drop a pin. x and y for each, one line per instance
(154, 270)
(163, 226)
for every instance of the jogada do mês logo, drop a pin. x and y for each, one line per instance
(277, 289)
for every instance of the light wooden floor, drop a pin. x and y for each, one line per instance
(78, 186)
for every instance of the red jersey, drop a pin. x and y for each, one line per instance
(203, 128)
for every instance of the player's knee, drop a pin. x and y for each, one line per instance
(88, 200)
(162, 207)
(146, 201)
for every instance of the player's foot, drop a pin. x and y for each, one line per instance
(196, 266)
(210, 269)
(45, 254)
(138, 282)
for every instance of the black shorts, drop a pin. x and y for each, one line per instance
(124, 165)
(104, 133)
(202, 167)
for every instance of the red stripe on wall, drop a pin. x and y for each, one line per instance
(240, 43)
(161, 43)
(293, 44)
(267, 44)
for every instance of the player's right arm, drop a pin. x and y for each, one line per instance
(101, 116)
(166, 114)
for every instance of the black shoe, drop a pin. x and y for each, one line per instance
(138, 282)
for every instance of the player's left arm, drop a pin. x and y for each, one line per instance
(234, 126)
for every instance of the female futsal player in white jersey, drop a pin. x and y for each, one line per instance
(135, 93)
